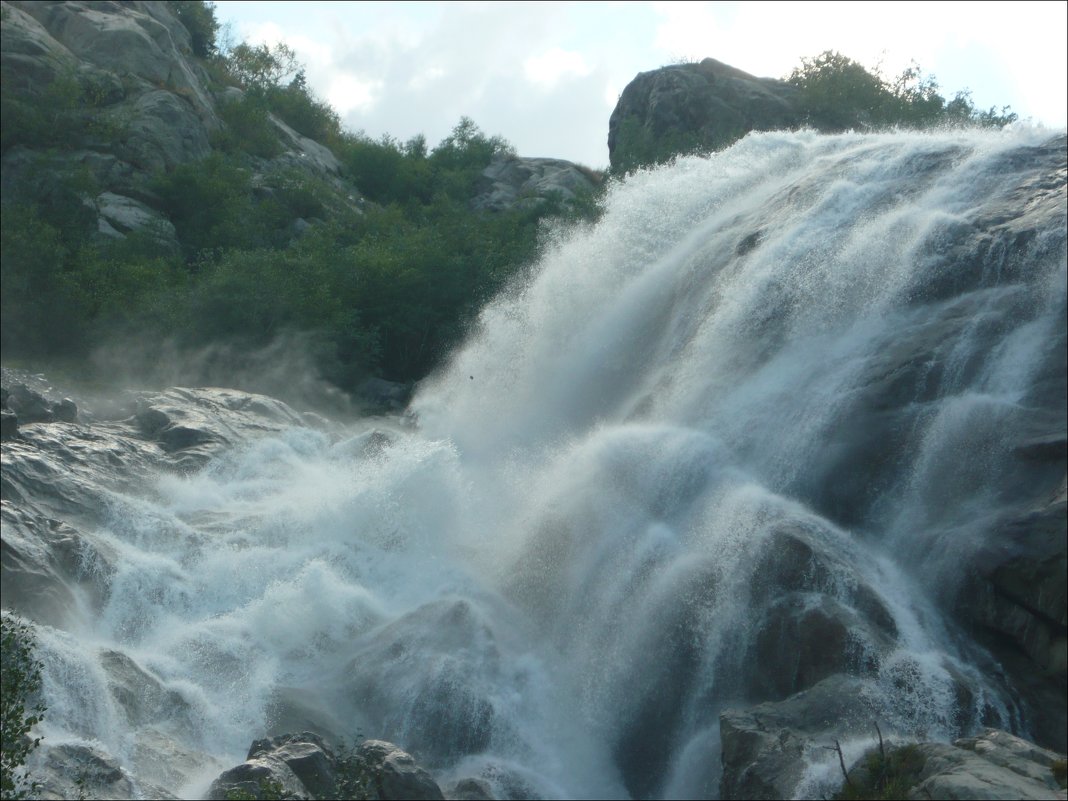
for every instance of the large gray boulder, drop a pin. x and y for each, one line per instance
(764, 747)
(302, 766)
(394, 774)
(514, 182)
(288, 766)
(706, 106)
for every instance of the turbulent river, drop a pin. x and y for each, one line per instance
(739, 435)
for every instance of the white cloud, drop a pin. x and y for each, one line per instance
(425, 78)
(348, 93)
(686, 30)
(548, 69)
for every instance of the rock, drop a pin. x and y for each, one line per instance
(27, 48)
(763, 747)
(394, 774)
(141, 696)
(993, 765)
(47, 565)
(163, 132)
(9, 425)
(513, 182)
(126, 215)
(469, 790)
(194, 424)
(30, 406)
(261, 777)
(430, 679)
(141, 39)
(149, 107)
(307, 756)
(79, 771)
(302, 766)
(707, 105)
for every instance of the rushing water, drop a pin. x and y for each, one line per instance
(554, 578)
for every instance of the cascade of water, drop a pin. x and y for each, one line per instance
(770, 387)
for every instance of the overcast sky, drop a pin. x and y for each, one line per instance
(546, 75)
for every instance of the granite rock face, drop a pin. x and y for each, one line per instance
(709, 104)
(152, 107)
(516, 182)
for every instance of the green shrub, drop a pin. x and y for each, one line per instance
(247, 128)
(20, 709)
(1060, 772)
(199, 19)
(885, 774)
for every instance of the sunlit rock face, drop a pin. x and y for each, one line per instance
(779, 442)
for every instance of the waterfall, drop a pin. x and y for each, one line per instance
(736, 437)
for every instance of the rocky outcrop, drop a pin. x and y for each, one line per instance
(134, 103)
(769, 750)
(69, 464)
(514, 182)
(302, 766)
(764, 748)
(707, 106)
(993, 765)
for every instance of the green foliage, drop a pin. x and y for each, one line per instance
(199, 19)
(638, 147)
(20, 711)
(303, 112)
(69, 112)
(261, 67)
(268, 790)
(1060, 772)
(212, 207)
(381, 284)
(885, 774)
(248, 128)
(837, 92)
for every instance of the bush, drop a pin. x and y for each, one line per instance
(837, 92)
(884, 774)
(198, 17)
(20, 709)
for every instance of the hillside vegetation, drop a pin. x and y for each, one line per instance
(380, 267)
(279, 221)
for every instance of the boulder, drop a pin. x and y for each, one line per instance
(126, 215)
(707, 105)
(302, 766)
(513, 182)
(290, 765)
(394, 774)
(9, 424)
(764, 747)
(81, 771)
(46, 565)
(431, 679)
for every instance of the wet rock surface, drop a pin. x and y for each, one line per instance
(303, 766)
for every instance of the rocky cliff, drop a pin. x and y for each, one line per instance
(124, 100)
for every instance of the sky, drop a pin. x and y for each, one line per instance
(546, 75)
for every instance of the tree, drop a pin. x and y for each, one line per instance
(199, 19)
(20, 680)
